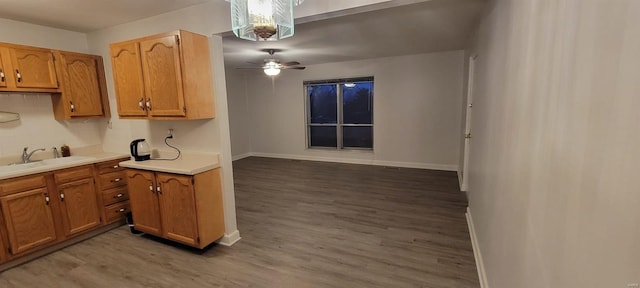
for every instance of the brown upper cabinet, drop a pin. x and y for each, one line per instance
(27, 69)
(83, 87)
(76, 81)
(166, 76)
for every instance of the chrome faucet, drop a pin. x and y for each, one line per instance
(27, 156)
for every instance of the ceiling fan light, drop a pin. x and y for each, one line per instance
(263, 20)
(272, 71)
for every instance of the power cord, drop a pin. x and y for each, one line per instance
(174, 147)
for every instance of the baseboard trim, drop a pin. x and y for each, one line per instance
(460, 181)
(476, 251)
(230, 239)
(241, 156)
(360, 161)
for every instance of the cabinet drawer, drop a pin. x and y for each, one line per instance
(22, 184)
(116, 195)
(112, 180)
(73, 174)
(110, 166)
(116, 212)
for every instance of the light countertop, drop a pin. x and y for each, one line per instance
(187, 164)
(78, 159)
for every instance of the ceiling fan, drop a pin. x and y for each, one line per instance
(272, 66)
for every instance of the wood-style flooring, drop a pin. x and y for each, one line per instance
(303, 224)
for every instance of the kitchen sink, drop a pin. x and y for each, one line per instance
(65, 160)
(18, 167)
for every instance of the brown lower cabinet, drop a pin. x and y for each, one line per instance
(42, 210)
(29, 219)
(182, 208)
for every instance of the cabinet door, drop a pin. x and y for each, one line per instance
(79, 206)
(3, 71)
(128, 80)
(163, 76)
(28, 219)
(178, 203)
(3, 255)
(81, 85)
(144, 201)
(34, 68)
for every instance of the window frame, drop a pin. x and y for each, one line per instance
(340, 113)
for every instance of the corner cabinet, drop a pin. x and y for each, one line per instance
(182, 208)
(83, 87)
(75, 81)
(164, 77)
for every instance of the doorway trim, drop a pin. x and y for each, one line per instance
(467, 129)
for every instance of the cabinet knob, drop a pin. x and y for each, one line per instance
(122, 210)
(46, 199)
(18, 75)
(148, 103)
(73, 107)
(151, 188)
(141, 103)
(118, 196)
(62, 197)
(116, 167)
(116, 180)
(1, 75)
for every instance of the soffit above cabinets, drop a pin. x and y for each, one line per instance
(87, 15)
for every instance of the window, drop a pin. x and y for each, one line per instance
(340, 113)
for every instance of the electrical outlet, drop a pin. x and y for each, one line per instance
(632, 285)
(170, 133)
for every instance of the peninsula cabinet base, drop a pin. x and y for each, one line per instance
(182, 208)
(59, 246)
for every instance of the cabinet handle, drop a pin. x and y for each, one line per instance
(18, 75)
(1, 75)
(141, 104)
(151, 188)
(73, 107)
(116, 180)
(148, 103)
(122, 210)
(62, 197)
(116, 167)
(158, 189)
(46, 199)
(118, 196)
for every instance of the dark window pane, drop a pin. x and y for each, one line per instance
(360, 137)
(323, 104)
(357, 103)
(323, 136)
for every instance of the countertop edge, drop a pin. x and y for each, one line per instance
(97, 158)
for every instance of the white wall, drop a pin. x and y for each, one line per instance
(16, 32)
(209, 136)
(240, 120)
(417, 106)
(554, 186)
(37, 127)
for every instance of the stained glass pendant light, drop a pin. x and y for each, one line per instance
(263, 20)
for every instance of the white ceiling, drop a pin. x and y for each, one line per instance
(376, 28)
(87, 15)
(429, 26)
